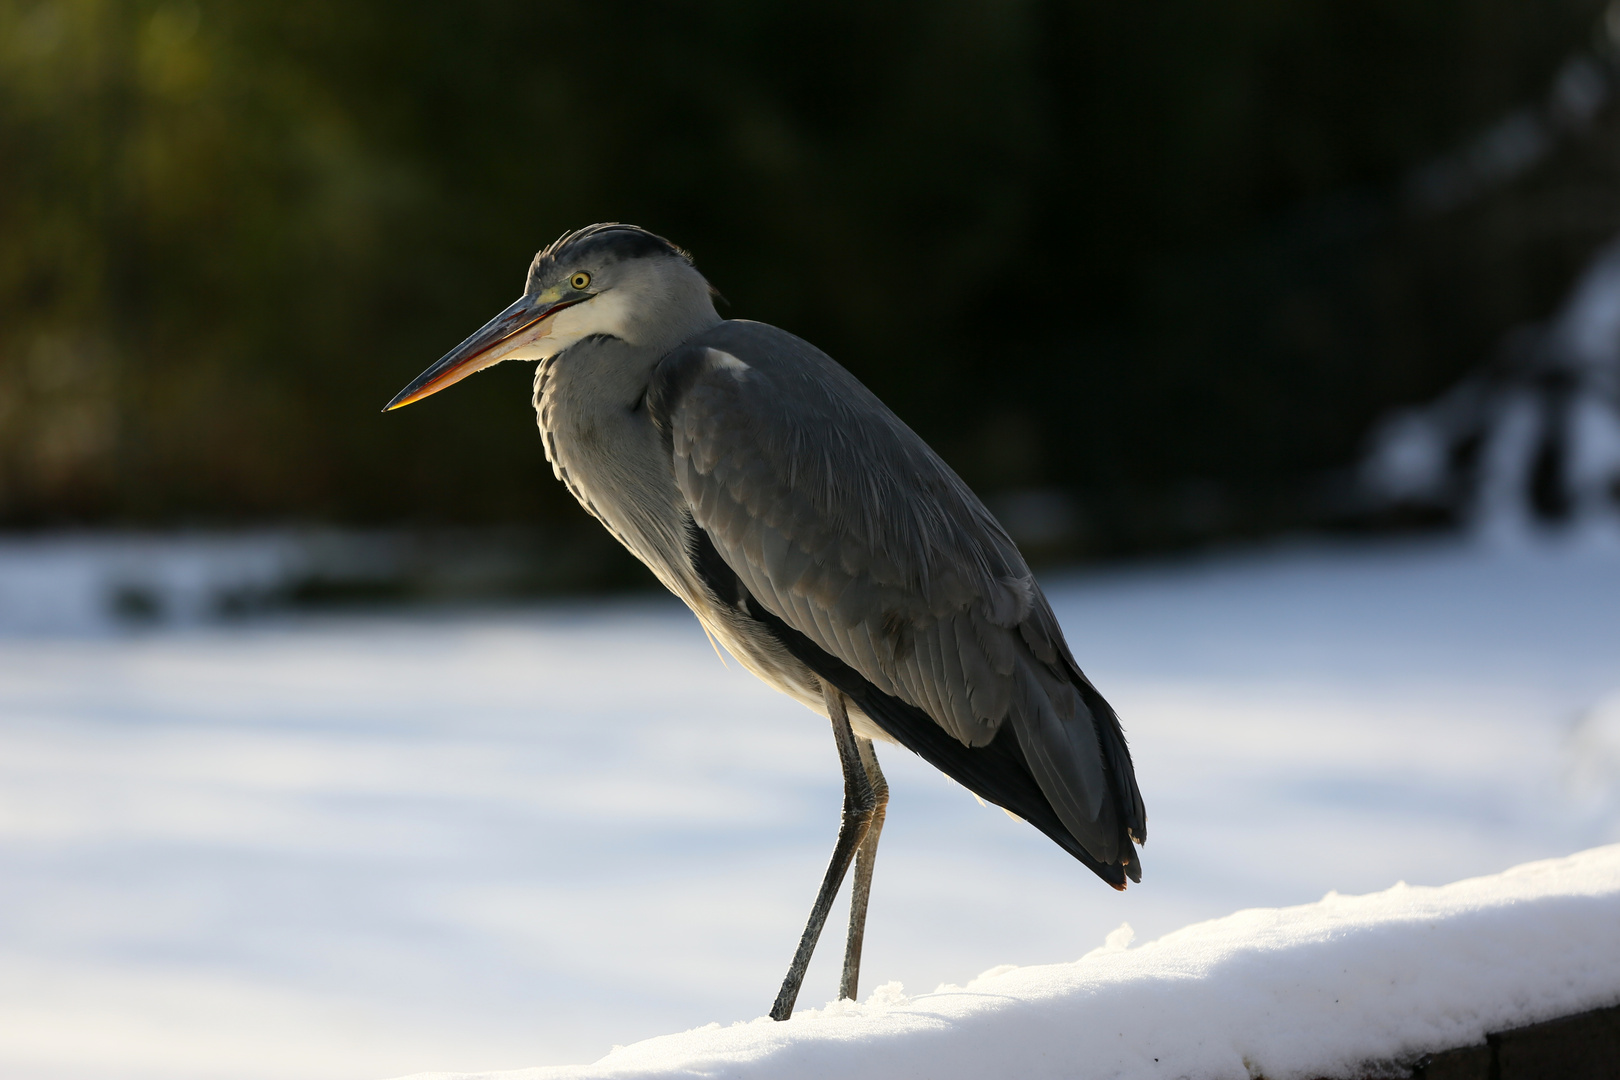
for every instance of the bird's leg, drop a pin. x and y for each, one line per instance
(859, 802)
(864, 856)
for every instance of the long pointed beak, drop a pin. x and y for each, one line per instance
(481, 350)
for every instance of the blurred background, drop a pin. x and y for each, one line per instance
(1284, 337)
(1147, 279)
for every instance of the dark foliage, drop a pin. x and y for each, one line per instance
(1154, 256)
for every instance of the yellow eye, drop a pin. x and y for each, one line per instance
(580, 280)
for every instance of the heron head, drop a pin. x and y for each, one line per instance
(610, 280)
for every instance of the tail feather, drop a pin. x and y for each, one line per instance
(997, 772)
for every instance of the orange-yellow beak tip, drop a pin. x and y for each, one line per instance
(479, 351)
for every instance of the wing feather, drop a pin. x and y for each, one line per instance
(845, 526)
(934, 681)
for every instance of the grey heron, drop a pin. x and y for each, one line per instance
(818, 538)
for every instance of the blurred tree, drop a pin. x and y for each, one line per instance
(172, 204)
(1154, 257)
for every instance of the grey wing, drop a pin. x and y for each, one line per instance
(844, 525)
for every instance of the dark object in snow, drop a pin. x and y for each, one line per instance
(1468, 1063)
(1583, 1047)
(824, 543)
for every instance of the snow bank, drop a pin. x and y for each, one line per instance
(91, 582)
(1330, 989)
(95, 583)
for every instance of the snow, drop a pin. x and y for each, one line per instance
(1519, 140)
(56, 584)
(1552, 399)
(1336, 988)
(356, 846)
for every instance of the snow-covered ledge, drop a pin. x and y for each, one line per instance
(1350, 986)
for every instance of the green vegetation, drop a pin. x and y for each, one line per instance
(1152, 255)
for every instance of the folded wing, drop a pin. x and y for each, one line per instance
(875, 562)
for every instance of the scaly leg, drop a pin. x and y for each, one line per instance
(859, 802)
(864, 856)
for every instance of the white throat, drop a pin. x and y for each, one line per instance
(607, 313)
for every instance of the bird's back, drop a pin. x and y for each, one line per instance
(817, 516)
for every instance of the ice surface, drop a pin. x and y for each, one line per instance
(362, 846)
(1336, 988)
